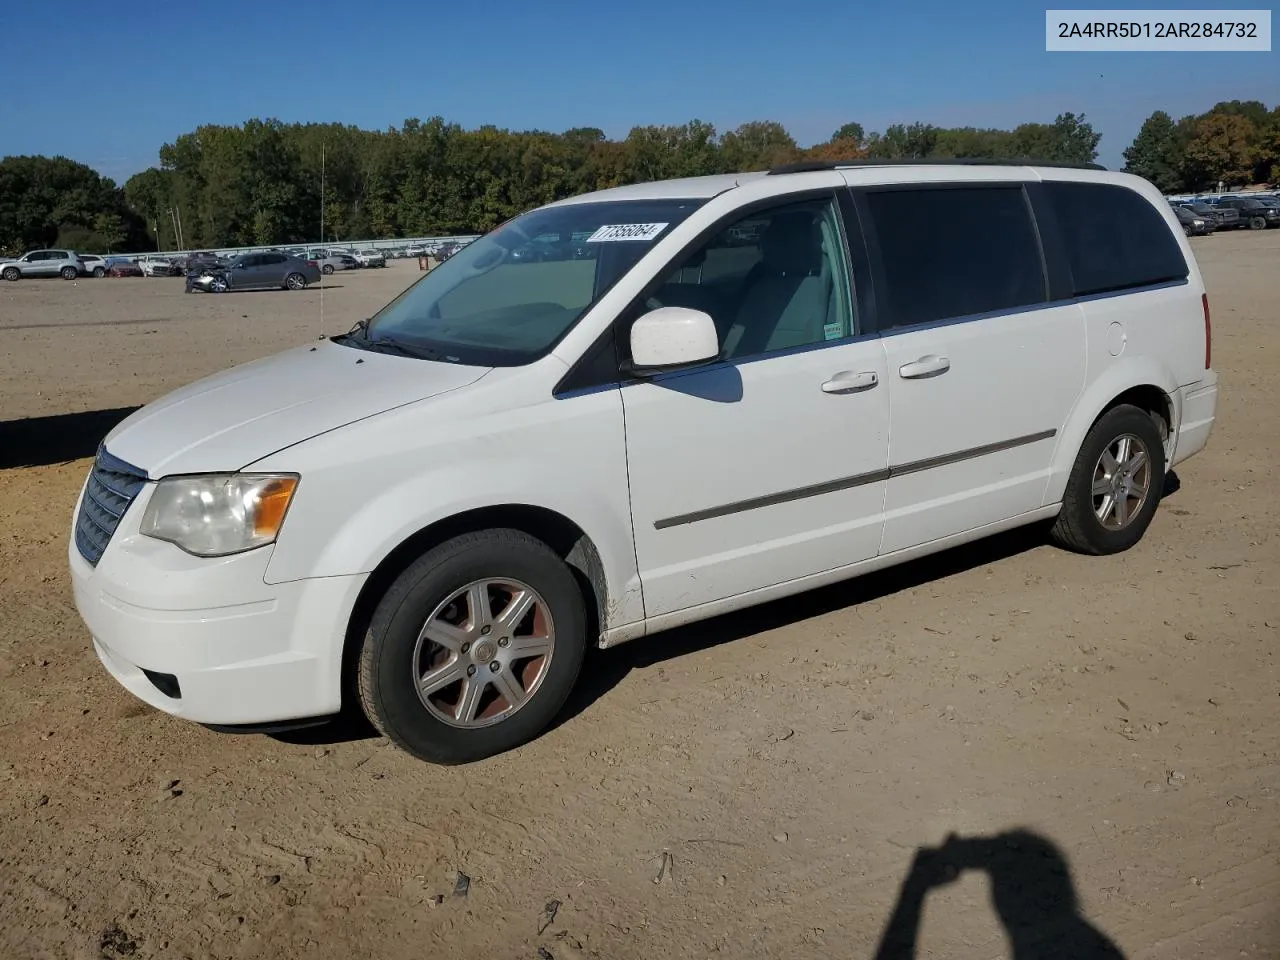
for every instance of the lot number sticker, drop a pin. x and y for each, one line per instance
(614, 232)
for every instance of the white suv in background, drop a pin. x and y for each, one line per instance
(44, 263)
(700, 395)
(371, 258)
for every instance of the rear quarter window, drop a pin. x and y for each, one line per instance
(1115, 239)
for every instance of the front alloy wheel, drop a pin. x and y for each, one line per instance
(483, 653)
(474, 648)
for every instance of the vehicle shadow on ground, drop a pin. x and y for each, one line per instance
(42, 441)
(605, 669)
(1031, 891)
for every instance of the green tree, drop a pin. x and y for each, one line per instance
(850, 132)
(45, 198)
(1069, 139)
(1156, 153)
(757, 145)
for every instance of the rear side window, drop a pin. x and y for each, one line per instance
(955, 252)
(1115, 239)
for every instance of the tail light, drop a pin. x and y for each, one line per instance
(1208, 333)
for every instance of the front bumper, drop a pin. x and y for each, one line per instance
(240, 650)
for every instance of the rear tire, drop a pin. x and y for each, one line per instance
(1102, 512)
(295, 281)
(438, 589)
(327, 269)
(69, 273)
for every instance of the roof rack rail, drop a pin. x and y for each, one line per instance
(807, 166)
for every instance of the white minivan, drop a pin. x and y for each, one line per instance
(700, 394)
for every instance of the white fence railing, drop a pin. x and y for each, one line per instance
(327, 245)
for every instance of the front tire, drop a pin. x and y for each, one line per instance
(474, 648)
(99, 272)
(1115, 484)
(11, 273)
(1257, 223)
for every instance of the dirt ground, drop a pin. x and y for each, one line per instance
(1105, 732)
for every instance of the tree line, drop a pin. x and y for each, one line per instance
(1237, 143)
(267, 182)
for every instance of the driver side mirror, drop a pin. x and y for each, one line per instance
(672, 338)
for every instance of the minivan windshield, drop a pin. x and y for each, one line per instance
(508, 297)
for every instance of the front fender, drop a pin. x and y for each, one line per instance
(368, 488)
(1123, 375)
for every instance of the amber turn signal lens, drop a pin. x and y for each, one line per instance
(273, 503)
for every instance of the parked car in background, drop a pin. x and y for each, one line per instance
(123, 268)
(44, 263)
(1194, 225)
(1258, 214)
(329, 260)
(1228, 218)
(370, 258)
(256, 271)
(415, 250)
(94, 264)
(161, 267)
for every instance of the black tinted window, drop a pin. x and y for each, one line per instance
(1115, 239)
(954, 253)
(271, 258)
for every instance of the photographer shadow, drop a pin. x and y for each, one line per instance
(1031, 890)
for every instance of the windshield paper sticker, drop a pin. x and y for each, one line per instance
(613, 232)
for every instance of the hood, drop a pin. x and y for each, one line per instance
(233, 418)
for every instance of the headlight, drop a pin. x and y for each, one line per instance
(219, 514)
(1198, 223)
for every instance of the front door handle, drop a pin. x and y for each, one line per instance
(927, 366)
(846, 381)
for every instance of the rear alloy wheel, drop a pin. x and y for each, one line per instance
(1115, 484)
(11, 273)
(295, 281)
(474, 648)
(327, 269)
(69, 273)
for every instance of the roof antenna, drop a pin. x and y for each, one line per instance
(321, 238)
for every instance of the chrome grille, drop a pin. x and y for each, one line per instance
(113, 485)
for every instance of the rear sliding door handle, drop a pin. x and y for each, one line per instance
(927, 366)
(846, 381)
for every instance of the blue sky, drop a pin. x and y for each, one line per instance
(144, 73)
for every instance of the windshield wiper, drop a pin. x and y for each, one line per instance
(392, 345)
(358, 336)
(361, 330)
